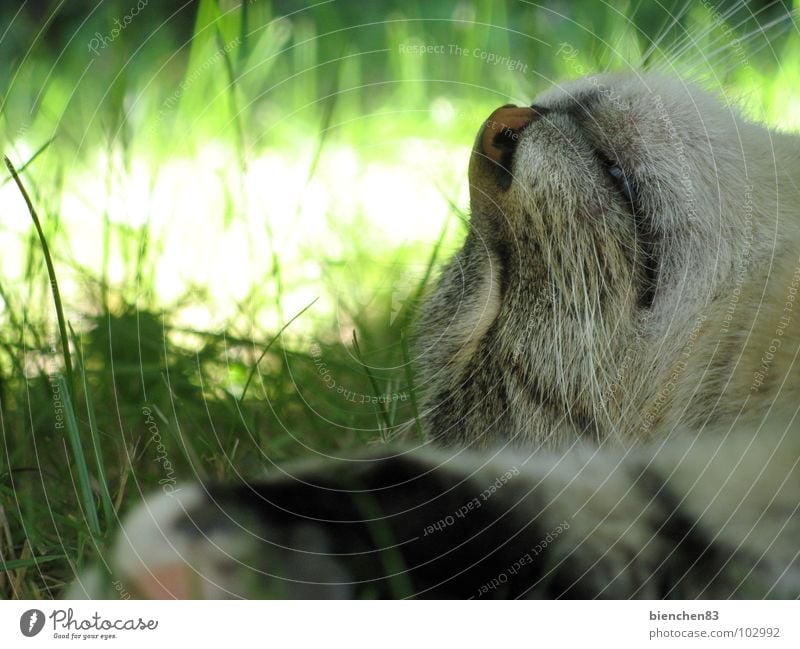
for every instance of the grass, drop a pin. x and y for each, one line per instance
(229, 245)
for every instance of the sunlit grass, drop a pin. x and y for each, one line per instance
(389, 202)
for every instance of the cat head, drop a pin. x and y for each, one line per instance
(618, 190)
(606, 217)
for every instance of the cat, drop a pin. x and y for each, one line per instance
(609, 378)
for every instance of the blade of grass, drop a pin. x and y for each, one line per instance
(254, 369)
(51, 273)
(84, 481)
(379, 405)
(410, 383)
(382, 536)
(236, 115)
(243, 31)
(410, 306)
(15, 327)
(16, 564)
(105, 494)
(35, 155)
(324, 131)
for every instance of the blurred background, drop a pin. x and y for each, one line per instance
(244, 202)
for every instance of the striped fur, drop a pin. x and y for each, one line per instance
(711, 517)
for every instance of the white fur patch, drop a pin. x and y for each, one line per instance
(148, 538)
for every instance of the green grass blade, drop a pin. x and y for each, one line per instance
(105, 494)
(410, 384)
(254, 369)
(393, 564)
(51, 273)
(16, 564)
(84, 481)
(381, 407)
(410, 307)
(30, 161)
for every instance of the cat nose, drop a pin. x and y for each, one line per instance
(501, 131)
